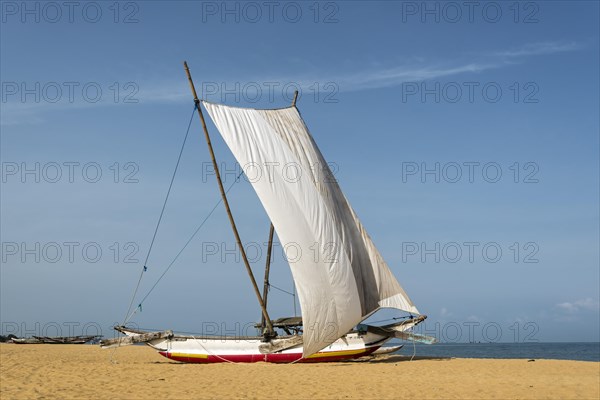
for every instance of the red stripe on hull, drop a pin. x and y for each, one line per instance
(272, 358)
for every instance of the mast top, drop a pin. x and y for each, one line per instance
(189, 76)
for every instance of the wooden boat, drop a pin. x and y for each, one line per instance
(55, 339)
(345, 282)
(364, 341)
(25, 341)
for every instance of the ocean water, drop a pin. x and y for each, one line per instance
(558, 351)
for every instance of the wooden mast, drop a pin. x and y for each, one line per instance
(267, 270)
(270, 332)
(269, 251)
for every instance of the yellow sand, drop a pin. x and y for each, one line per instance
(85, 371)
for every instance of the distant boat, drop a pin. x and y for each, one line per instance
(55, 339)
(345, 283)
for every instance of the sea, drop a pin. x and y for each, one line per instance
(586, 351)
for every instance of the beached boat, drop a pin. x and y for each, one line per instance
(343, 281)
(25, 341)
(210, 349)
(56, 339)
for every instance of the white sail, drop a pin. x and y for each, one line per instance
(340, 276)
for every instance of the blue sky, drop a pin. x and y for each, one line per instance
(387, 91)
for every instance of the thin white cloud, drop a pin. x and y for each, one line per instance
(375, 78)
(396, 76)
(445, 313)
(474, 318)
(587, 304)
(541, 48)
(20, 112)
(421, 71)
(174, 92)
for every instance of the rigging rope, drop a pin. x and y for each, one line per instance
(414, 351)
(392, 319)
(139, 307)
(285, 291)
(281, 290)
(145, 268)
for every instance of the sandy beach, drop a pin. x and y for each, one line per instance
(86, 371)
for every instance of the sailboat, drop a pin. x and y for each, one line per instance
(342, 286)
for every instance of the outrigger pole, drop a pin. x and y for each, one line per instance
(269, 251)
(270, 332)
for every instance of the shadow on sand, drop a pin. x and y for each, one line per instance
(394, 358)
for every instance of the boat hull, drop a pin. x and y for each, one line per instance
(218, 350)
(270, 358)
